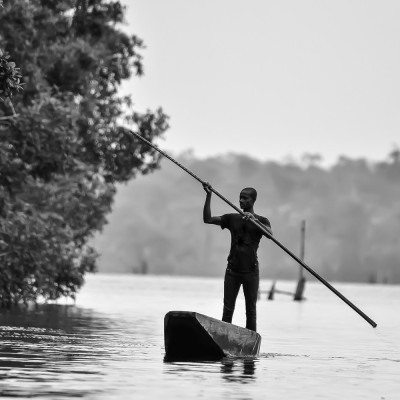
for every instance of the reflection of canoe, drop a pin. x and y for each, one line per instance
(193, 336)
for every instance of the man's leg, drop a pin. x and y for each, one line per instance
(250, 290)
(231, 290)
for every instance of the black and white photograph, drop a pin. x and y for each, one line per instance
(200, 199)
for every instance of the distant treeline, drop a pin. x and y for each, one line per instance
(352, 213)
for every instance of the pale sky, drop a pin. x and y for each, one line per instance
(272, 79)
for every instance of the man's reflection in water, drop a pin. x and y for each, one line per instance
(243, 370)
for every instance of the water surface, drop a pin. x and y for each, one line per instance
(109, 344)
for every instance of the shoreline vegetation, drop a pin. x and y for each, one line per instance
(64, 144)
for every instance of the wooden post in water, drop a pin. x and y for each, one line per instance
(298, 296)
(271, 292)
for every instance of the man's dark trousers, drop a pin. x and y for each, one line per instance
(232, 283)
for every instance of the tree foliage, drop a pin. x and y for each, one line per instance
(10, 77)
(64, 141)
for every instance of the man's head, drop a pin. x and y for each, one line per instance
(247, 198)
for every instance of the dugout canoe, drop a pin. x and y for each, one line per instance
(189, 335)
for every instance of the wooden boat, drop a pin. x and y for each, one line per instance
(192, 336)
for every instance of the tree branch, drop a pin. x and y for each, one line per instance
(8, 117)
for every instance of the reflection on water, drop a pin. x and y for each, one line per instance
(242, 370)
(232, 369)
(47, 344)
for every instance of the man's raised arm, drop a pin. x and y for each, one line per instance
(207, 218)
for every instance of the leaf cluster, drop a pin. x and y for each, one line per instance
(10, 77)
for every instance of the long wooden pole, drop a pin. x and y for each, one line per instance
(265, 233)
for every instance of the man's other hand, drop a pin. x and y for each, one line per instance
(248, 215)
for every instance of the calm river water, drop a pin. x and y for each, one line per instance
(109, 344)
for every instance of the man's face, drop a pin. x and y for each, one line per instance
(245, 200)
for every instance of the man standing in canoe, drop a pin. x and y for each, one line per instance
(242, 268)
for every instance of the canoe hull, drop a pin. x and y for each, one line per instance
(192, 336)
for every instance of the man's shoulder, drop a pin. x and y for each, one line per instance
(231, 215)
(263, 220)
(229, 220)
